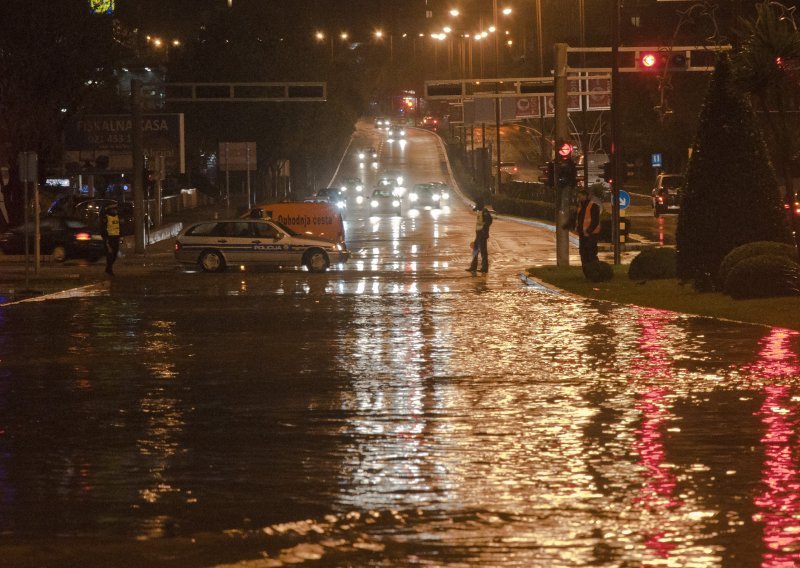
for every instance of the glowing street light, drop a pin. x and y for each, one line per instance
(507, 11)
(455, 12)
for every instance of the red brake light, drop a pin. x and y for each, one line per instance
(83, 237)
(177, 246)
(661, 199)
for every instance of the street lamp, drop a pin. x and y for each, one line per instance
(379, 35)
(158, 43)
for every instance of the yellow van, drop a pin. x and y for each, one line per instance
(315, 219)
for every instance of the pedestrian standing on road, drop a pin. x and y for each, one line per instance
(483, 220)
(587, 225)
(109, 229)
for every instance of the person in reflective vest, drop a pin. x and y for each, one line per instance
(587, 225)
(109, 228)
(483, 220)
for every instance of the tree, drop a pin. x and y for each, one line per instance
(731, 195)
(769, 54)
(52, 56)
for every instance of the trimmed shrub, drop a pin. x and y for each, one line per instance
(763, 276)
(653, 264)
(524, 207)
(753, 249)
(598, 271)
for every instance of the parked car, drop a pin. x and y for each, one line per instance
(214, 245)
(667, 193)
(384, 200)
(61, 237)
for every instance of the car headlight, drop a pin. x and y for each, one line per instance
(339, 247)
(359, 200)
(395, 203)
(344, 188)
(400, 180)
(359, 188)
(436, 197)
(341, 204)
(412, 196)
(374, 203)
(361, 156)
(445, 195)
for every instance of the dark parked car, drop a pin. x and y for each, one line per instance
(61, 237)
(89, 210)
(667, 193)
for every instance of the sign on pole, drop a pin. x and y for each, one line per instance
(655, 160)
(237, 156)
(624, 199)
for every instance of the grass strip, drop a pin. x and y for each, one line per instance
(669, 294)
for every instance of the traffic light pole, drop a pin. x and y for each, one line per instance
(561, 136)
(616, 130)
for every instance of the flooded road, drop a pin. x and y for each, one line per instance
(394, 412)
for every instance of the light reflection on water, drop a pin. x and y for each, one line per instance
(484, 427)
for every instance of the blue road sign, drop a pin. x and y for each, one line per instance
(655, 160)
(624, 199)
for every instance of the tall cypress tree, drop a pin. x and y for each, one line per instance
(731, 195)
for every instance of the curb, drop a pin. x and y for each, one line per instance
(540, 286)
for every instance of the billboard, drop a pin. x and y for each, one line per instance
(90, 136)
(599, 89)
(101, 6)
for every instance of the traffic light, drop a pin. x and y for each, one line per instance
(608, 172)
(657, 60)
(548, 169)
(567, 172)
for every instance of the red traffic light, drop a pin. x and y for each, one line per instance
(565, 150)
(649, 60)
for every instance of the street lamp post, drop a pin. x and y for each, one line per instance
(497, 90)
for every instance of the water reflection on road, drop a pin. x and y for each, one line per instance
(448, 421)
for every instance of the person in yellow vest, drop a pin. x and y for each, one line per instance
(109, 228)
(483, 220)
(587, 225)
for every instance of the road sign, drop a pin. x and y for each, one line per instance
(655, 160)
(624, 199)
(237, 156)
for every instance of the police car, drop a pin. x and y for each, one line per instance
(216, 244)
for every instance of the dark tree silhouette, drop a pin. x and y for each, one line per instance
(731, 195)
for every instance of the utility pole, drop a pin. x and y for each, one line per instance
(561, 137)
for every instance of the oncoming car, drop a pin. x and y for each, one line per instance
(396, 133)
(367, 154)
(384, 200)
(216, 244)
